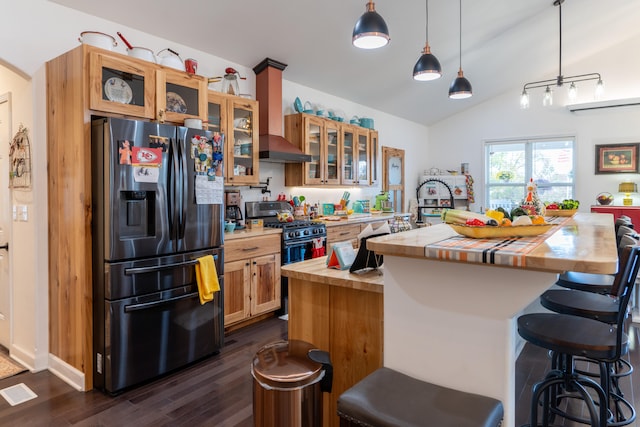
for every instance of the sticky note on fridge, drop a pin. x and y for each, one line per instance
(341, 256)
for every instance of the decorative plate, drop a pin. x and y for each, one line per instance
(175, 103)
(117, 90)
(297, 104)
(488, 232)
(560, 212)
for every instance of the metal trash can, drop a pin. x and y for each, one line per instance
(289, 378)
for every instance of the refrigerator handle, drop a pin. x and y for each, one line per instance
(147, 305)
(185, 175)
(154, 268)
(174, 174)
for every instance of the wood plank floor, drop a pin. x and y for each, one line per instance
(213, 392)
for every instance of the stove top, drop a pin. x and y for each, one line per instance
(299, 230)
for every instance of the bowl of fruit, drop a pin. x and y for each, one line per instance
(604, 198)
(568, 207)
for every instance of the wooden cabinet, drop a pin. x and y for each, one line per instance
(132, 87)
(251, 278)
(373, 156)
(319, 138)
(342, 233)
(355, 155)
(84, 82)
(342, 154)
(237, 118)
(632, 212)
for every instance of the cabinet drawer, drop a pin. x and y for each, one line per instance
(248, 248)
(343, 233)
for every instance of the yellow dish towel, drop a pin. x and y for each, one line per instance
(207, 278)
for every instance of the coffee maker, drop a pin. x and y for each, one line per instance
(233, 211)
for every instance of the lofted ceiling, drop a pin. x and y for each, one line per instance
(505, 43)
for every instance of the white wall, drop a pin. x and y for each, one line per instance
(460, 138)
(38, 31)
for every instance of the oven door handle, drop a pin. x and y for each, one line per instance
(152, 304)
(154, 268)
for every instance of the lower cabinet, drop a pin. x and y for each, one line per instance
(341, 233)
(632, 212)
(251, 278)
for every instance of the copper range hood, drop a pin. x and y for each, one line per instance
(273, 147)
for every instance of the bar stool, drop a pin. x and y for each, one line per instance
(603, 308)
(591, 282)
(387, 398)
(569, 336)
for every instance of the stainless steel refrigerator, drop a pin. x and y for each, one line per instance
(150, 225)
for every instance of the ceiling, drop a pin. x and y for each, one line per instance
(505, 43)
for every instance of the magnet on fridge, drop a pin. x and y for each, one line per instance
(124, 149)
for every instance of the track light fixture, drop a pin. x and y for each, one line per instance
(560, 80)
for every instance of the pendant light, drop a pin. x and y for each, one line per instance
(370, 31)
(560, 79)
(428, 67)
(460, 88)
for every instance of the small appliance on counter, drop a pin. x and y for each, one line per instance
(382, 202)
(233, 210)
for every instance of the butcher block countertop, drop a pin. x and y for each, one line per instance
(362, 219)
(584, 243)
(246, 233)
(315, 270)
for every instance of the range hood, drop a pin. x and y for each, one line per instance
(273, 147)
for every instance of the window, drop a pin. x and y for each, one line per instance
(509, 164)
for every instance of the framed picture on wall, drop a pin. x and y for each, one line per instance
(617, 158)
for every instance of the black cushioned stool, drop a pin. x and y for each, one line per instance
(387, 398)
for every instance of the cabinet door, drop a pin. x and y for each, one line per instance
(314, 171)
(362, 153)
(373, 157)
(242, 142)
(121, 85)
(216, 112)
(265, 284)
(332, 156)
(348, 151)
(237, 288)
(180, 96)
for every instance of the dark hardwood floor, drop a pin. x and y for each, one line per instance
(213, 392)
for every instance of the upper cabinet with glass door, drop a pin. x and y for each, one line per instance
(320, 138)
(237, 119)
(243, 167)
(355, 155)
(180, 96)
(120, 84)
(373, 157)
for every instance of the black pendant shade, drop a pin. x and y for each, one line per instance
(460, 88)
(428, 67)
(370, 31)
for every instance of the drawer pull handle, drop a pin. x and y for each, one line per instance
(344, 233)
(250, 249)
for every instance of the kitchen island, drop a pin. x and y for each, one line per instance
(450, 315)
(341, 313)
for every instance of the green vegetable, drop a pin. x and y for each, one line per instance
(518, 211)
(457, 216)
(569, 204)
(504, 211)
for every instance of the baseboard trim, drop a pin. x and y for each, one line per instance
(66, 372)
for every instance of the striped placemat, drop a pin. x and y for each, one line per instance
(508, 251)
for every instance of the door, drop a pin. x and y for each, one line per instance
(199, 222)
(393, 176)
(5, 224)
(265, 292)
(237, 291)
(134, 175)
